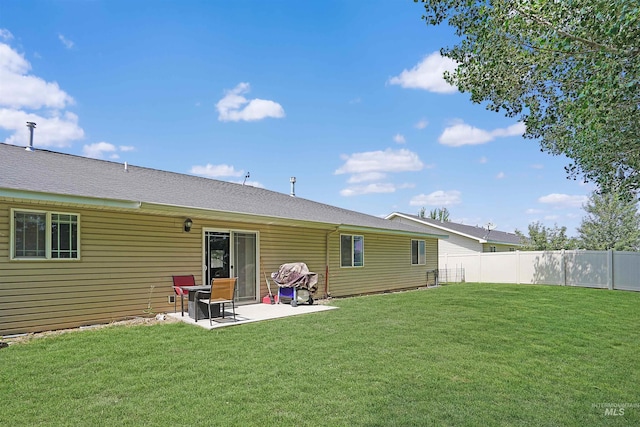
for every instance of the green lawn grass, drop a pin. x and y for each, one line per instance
(468, 354)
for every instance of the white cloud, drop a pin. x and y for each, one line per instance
(11, 61)
(421, 124)
(464, 134)
(551, 217)
(65, 41)
(5, 34)
(437, 198)
(427, 75)
(483, 160)
(375, 166)
(99, 149)
(54, 130)
(533, 211)
(370, 188)
(21, 94)
(214, 171)
(537, 166)
(460, 134)
(355, 101)
(381, 161)
(500, 175)
(563, 200)
(516, 129)
(399, 138)
(368, 176)
(20, 90)
(234, 107)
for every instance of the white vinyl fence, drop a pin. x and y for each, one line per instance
(593, 269)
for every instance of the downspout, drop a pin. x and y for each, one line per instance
(326, 267)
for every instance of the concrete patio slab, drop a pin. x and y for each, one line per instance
(253, 313)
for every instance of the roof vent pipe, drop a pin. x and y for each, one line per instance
(126, 167)
(292, 180)
(31, 126)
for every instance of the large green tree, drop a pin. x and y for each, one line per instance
(569, 69)
(542, 238)
(612, 222)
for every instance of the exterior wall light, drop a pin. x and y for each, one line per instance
(187, 224)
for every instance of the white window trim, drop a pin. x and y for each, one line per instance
(424, 242)
(47, 252)
(352, 251)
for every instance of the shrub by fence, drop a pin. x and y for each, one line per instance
(594, 269)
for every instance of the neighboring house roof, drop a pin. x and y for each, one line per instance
(482, 235)
(58, 177)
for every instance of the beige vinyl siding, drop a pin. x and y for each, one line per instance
(123, 256)
(128, 258)
(387, 266)
(280, 245)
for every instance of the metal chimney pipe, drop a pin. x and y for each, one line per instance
(31, 126)
(292, 180)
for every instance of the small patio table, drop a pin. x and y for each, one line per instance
(203, 313)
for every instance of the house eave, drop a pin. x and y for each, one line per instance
(477, 239)
(355, 228)
(498, 242)
(204, 213)
(18, 196)
(66, 199)
(273, 220)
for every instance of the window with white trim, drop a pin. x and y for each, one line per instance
(351, 250)
(45, 235)
(418, 252)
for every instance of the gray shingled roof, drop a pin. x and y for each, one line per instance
(494, 236)
(64, 174)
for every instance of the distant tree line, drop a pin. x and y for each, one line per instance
(439, 214)
(612, 222)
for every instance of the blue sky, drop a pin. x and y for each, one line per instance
(346, 96)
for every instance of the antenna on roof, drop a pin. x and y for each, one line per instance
(245, 177)
(292, 180)
(31, 126)
(490, 226)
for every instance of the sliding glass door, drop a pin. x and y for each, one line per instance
(233, 254)
(244, 256)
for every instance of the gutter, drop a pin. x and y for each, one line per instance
(274, 220)
(68, 199)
